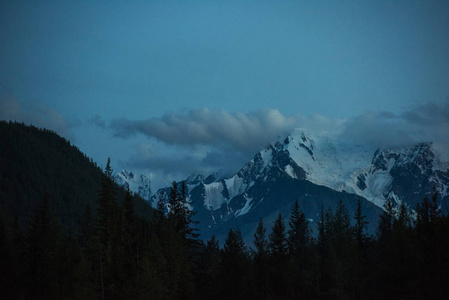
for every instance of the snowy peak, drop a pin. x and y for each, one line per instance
(138, 183)
(403, 174)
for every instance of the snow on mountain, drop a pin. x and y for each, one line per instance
(329, 162)
(137, 183)
(375, 174)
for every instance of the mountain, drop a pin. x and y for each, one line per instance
(318, 171)
(37, 163)
(404, 174)
(138, 183)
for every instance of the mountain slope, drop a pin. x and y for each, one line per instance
(36, 162)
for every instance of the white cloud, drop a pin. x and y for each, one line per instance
(245, 132)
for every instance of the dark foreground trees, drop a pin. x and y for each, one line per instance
(117, 255)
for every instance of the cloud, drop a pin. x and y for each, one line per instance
(180, 163)
(37, 114)
(206, 140)
(422, 123)
(209, 140)
(238, 131)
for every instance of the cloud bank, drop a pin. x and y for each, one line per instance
(240, 131)
(423, 123)
(216, 139)
(237, 131)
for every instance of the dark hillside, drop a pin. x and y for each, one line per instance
(36, 162)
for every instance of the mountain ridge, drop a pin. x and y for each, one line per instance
(329, 166)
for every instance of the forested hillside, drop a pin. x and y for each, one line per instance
(37, 163)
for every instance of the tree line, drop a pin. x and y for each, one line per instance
(116, 254)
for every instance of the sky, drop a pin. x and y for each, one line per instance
(177, 87)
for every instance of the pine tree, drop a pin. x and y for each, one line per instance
(107, 209)
(360, 227)
(278, 259)
(130, 248)
(298, 242)
(360, 260)
(260, 241)
(207, 271)
(326, 255)
(234, 267)
(298, 234)
(261, 261)
(108, 234)
(277, 242)
(386, 219)
(180, 212)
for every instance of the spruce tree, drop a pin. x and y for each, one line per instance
(234, 267)
(326, 255)
(261, 261)
(277, 249)
(298, 234)
(277, 242)
(298, 242)
(207, 271)
(360, 227)
(260, 241)
(108, 234)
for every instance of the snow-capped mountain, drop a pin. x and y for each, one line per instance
(137, 183)
(403, 174)
(318, 171)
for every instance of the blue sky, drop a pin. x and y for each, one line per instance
(179, 86)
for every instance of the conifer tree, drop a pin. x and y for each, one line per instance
(386, 220)
(181, 214)
(298, 242)
(277, 242)
(260, 241)
(298, 234)
(277, 249)
(343, 246)
(360, 227)
(234, 267)
(261, 261)
(108, 234)
(326, 255)
(207, 271)
(107, 209)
